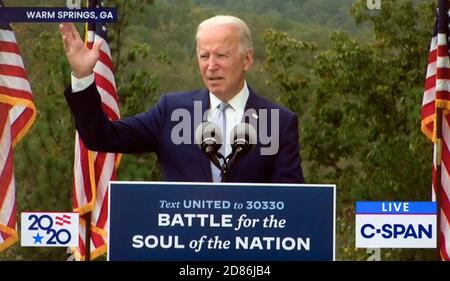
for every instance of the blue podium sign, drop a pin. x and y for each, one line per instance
(165, 221)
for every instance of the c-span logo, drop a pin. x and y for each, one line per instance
(39, 229)
(395, 225)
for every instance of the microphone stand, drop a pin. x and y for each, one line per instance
(224, 171)
(228, 162)
(215, 156)
(222, 167)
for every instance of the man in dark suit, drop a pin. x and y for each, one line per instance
(225, 53)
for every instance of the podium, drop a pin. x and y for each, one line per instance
(179, 221)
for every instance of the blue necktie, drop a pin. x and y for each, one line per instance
(221, 121)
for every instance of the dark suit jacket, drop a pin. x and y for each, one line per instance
(151, 132)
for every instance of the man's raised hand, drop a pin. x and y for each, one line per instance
(81, 58)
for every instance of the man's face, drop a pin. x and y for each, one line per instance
(222, 64)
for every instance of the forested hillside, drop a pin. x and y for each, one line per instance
(353, 76)
(331, 14)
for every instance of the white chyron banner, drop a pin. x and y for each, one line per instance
(395, 225)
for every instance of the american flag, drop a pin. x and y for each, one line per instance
(17, 114)
(437, 95)
(94, 170)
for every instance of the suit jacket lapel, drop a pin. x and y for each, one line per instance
(252, 103)
(203, 97)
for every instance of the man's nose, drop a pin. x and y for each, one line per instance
(212, 63)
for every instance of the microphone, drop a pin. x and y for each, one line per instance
(208, 136)
(243, 139)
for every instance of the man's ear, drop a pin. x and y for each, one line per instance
(248, 59)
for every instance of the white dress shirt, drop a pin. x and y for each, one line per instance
(234, 112)
(80, 84)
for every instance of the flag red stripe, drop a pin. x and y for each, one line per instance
(6, 176)
(75, 203)
(106, 60)
(9, 47)
(445, 203)
(442, 51)
(428, 110)
(444, 73)
(99, 161)
(12, 70)
(81, 246)
(4, 235)
(84, 161)
(4, 113)
(103, 216)
(430, 82)
(442, 95)
(109, 112)
(97, 239)
(432, 56)
(12, 218)
(106, 85)
(16, 93)
(20, 122)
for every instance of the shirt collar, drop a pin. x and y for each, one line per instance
(237, 102)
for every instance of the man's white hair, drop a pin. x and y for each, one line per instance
(245, 35)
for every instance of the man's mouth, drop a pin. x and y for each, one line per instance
(214, 78)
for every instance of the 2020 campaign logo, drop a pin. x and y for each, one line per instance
(49, 229)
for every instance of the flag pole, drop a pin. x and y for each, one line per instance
(87, 216)
(88, 236)
(438, 184)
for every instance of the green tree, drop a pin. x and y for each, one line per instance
(287, 63)
(137, 86)
(361, 127)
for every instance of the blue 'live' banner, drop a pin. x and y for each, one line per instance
(48, 14)
(381, 207)
(161, 221)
